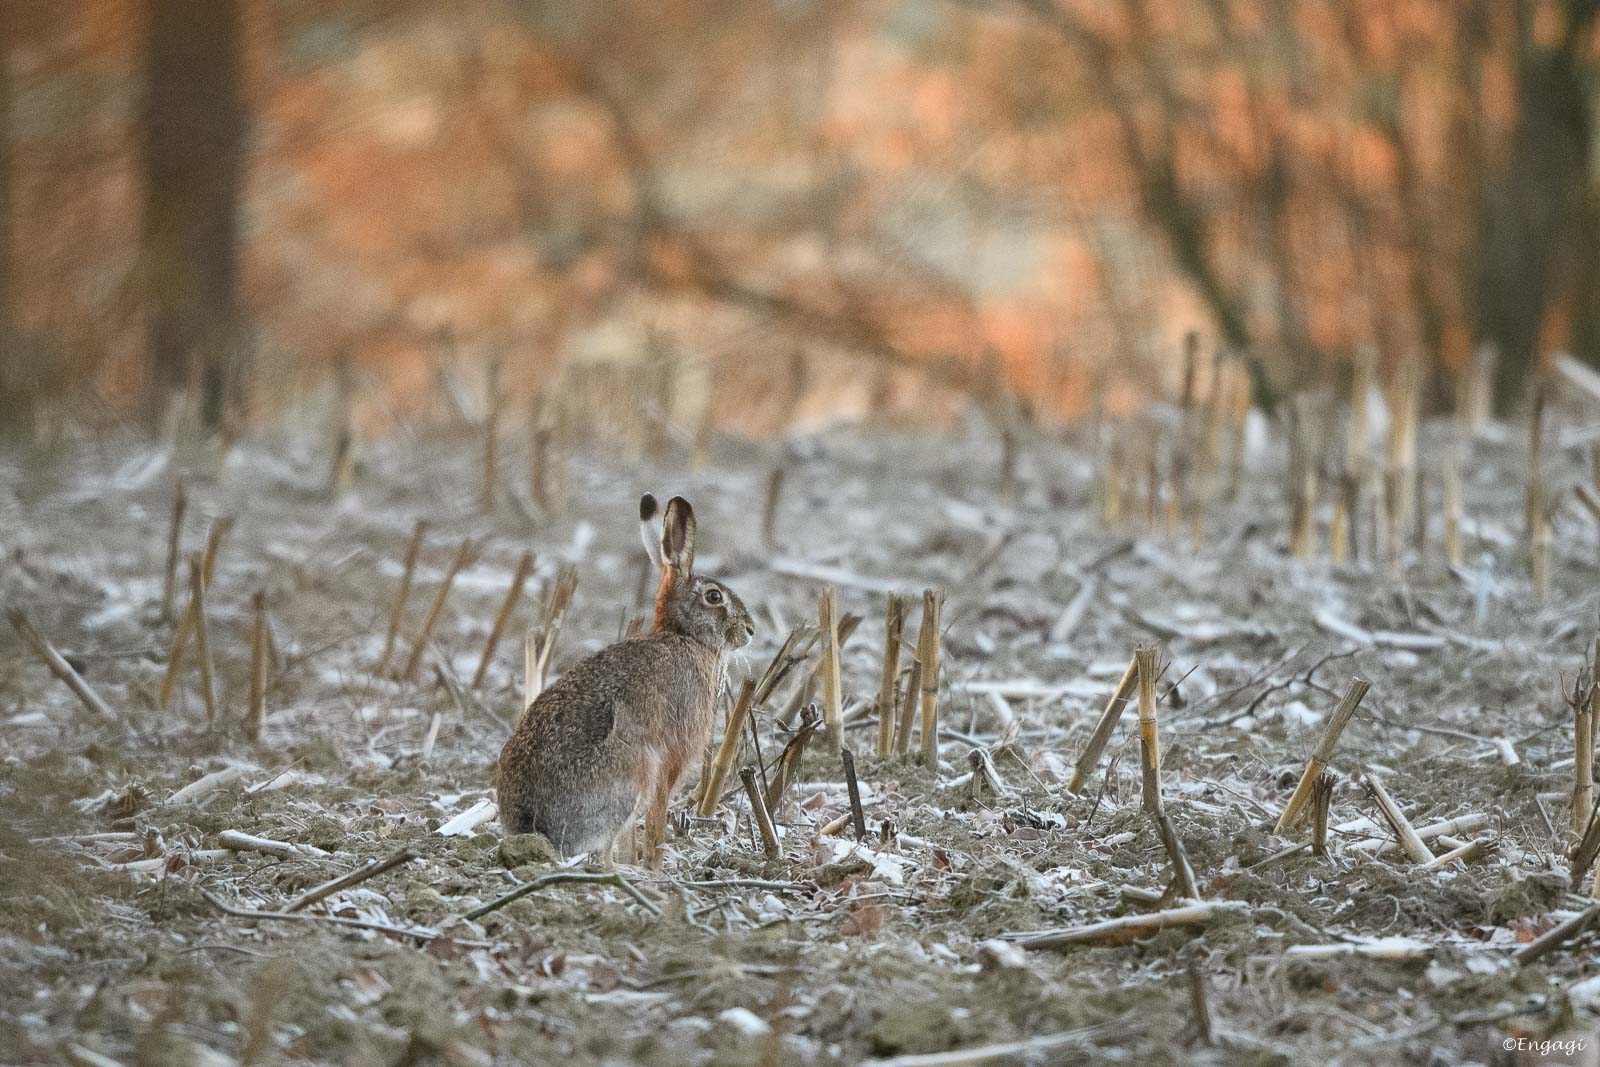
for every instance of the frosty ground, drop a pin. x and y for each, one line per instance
(111, 951)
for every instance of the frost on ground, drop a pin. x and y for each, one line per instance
(133, 846)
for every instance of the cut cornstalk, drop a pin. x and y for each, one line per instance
(853, 787)
(1342, 714)
(397, 612)
(514, 594)
(202, 642)
(1126, 928)
(728, 749)
(928, 642)
(169, 587)
(908, 708)
(491, 435)
(1321, 801)
(832, 709)
(58, 664)
(555, 612)
(463, 558)
(1452, 508)
(1149, 739)
(1404, 832)
(769, 507)
(894, 634)
(256, 718)
(1102, 729)
(758, 809)
(185, 628)
(1583, 752)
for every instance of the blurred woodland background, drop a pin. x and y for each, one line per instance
(789, 210)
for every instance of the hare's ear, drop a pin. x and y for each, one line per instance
(677, 536)
(647, 528)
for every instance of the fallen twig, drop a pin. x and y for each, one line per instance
(557, 878)
(1557, 935)
(58, 665)
(1128, 927)
(421, 933)
(370, 869)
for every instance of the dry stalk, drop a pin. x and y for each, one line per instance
(1405, 392)
(1199, 1009)
(1111, 486)
(397, 612)
(530, 671)
(539, 458)
(857, 819)
(728, 749)
(1127, 928)
(463, 559)
(169, 586)
(1149, 741)
(795, 650)
(1404, 832)
(1475, 404)
(1452, 507)
(1540, 562)
(1321, 801)
(894, 633)
(555, 612)
(557, 878)
(1582, 701)
(1534, 497)
(1342, 714)
(758, 809)
(1182, 871)
(255, 721)
(908, 708)
(1588, 847)
(1464, 854)
(1419, 516)
(58, 664)
(185, 628)
(197, 612)
(928, 643)
(1358, 435)
(1590, 502)
(1303, 527)
(832, 710)
(342, 469)
(1103, 729)
(491, 434)
(370, 869)
(1241, 426)
(514, 594)
(1152, 485)
(788, 765)
(769, 506)
(1350, 491)
(1338, 532)
(847, 628)
(1557, 935)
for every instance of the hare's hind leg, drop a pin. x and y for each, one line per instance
(655, 815)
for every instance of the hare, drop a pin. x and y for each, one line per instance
(609, 740)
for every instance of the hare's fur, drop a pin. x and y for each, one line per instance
(609, 740)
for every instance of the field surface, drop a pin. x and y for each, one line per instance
(129, 865)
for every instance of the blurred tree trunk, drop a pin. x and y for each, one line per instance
(1528, 226)
(12, 404)
(193, 162)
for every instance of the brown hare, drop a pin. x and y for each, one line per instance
(610, 739)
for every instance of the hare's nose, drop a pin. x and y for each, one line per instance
(749, 628)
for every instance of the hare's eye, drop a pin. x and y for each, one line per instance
(713, 596)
